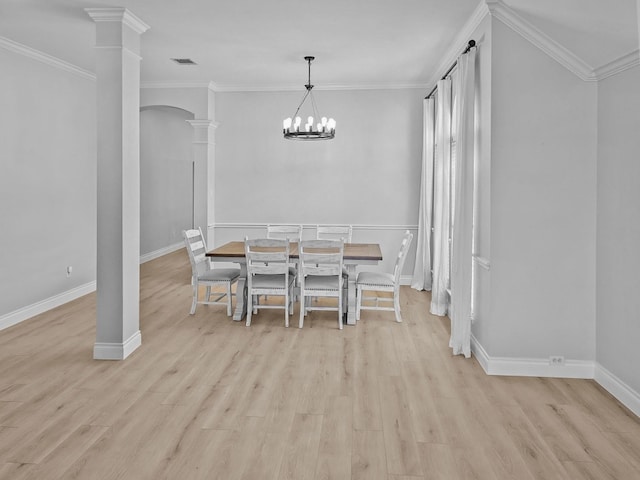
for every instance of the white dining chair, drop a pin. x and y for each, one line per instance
(269, 273)
(293, 233)
(334, 232)
(320, 264)
(202, 273)
(383, 282)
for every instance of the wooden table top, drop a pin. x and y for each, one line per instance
(352, 251)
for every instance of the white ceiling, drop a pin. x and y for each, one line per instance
(248, 44)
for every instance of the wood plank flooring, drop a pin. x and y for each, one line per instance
(208, 398)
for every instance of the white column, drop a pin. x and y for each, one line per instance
(204, 171)
(118, 252)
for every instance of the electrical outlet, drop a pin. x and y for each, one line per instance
(556, 360)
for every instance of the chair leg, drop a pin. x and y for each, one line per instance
(249, 309)
(302, 309)
(340, 309)
(229, 299)
(286, 309)
(195, 298)
(208, 293)
(358, 302)
(396, 306)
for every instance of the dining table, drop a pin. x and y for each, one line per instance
(355, 254)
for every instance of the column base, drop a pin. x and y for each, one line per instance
(117, 351)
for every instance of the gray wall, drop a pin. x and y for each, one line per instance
(166, 190)
(47, 181)
(369, 175)
(618, 237)
(543, 203)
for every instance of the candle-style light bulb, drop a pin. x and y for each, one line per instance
(319, 127)
(310, 120)
(286, 123)
(324, 121)
(296, 125)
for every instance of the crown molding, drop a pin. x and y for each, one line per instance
(618, 65)
(231, 88)
(44, 58)
(462, 38)
(117, 14)
(562, 55)
(209, 85)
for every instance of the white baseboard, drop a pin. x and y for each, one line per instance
(17, 316)
(528, 367)
(147, 257)
(616, 387)
(531, 367)
(117, 351)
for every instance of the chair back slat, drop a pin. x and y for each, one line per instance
(334, 232)
(197, 249)
(293, 233)
(321, 257)
(402, 256)
(267, 256)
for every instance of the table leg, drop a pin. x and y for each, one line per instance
(351, 294)
(241, 294)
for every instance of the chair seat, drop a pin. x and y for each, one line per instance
(220, 275)
(375, 279)
(316, 282)
(274, 281)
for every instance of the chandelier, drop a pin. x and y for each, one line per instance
(324, 129)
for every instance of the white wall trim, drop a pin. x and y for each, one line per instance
(147, 257)
(336, 86)
(618, 65)
(17, 316)
(482, 262)
(117, 351)
(544, 42)
(25, 313)
(312, 226)
(42, 57)
(461, 40)
(531, 367)
(616, 387)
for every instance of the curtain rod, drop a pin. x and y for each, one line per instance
(470, 45)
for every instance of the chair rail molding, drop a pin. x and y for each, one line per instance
(312, 226)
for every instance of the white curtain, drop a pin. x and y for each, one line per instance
(422, 269)
(462, 237)
(440, 284)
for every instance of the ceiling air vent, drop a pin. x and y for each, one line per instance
(184, 61)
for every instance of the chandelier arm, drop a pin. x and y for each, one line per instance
(301, 103)
(315, 109)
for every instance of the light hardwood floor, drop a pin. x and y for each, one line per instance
(208, 398)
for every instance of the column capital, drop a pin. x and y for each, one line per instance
(203, 131)
(203, 123)
(117, 14)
